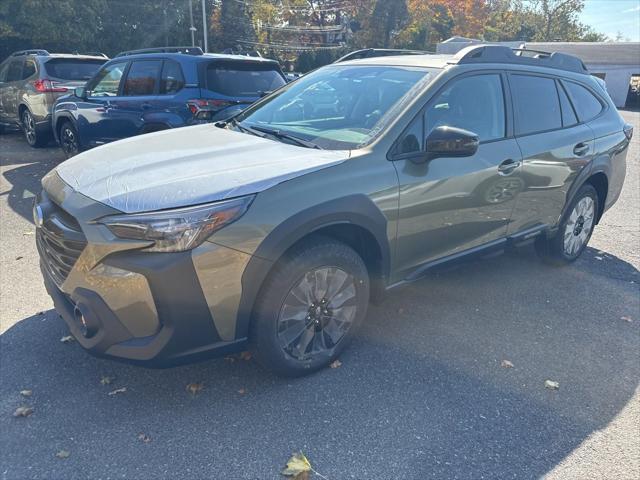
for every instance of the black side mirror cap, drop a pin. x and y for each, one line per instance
(451, 142)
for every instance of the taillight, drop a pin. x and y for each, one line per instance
(44, 85)
(628, 131)
(205, 108)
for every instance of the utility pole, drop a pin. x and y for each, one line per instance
(205, 32)
(192, 29)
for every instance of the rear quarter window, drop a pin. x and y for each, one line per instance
(72, 69)
(586, 103)
(235, 79)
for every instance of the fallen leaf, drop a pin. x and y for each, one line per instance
(117, 391)
(242, 391)
(626, 319)
(230, 359)
(506, 364)
(106, 380)
(400, 311)
(63, 454)
(26, 393)
(194, 388)
(551, 385)
(67, 339)
(297, 464)
(27, 233)
(598, 257)
(23, 412)
(246, 356)
(19, 258)
(144, 438)
(335, 364)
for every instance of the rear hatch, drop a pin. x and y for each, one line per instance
(67, 73)
(231, 85)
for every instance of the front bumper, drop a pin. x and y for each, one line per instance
(155, 309)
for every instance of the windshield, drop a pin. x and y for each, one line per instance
(72, 69)
(339, 107)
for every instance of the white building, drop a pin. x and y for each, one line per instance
(614, 62)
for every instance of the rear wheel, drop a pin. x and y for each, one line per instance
(574, 230)
(69, 142)
(35, 138)
(310, 307)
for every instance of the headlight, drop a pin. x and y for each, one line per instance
(177, 230)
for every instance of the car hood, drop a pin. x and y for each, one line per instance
(188, 166)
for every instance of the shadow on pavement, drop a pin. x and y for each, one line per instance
(27, 166)
(420, 394)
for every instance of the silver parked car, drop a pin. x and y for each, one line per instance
(30, 83)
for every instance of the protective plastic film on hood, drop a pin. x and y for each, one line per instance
(188, 166)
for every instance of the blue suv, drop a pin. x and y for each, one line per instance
(144, 91)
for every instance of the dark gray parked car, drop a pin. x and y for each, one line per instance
(275, 229)
(30, 83)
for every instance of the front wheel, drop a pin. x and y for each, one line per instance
(574, 231)
(69, 141)
(310, 307)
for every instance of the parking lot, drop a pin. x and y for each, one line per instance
(423, 392)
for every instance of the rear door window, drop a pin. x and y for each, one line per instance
(568, 114)
(15, 71)
(536, 104)
(586, 103)
(72, 69)
(142, 78)
(236, 79)
(172, 79)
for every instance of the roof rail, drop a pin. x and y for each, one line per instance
(92, 54)
(30, 52)
(185, 50)
(520, 56)
(379, 52)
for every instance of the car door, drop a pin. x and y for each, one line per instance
(555, 148)
(138, 98)
(10, 90)
(452, 204)
(95, 125)
(4, 68)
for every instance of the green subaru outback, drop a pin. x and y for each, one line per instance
(274, 230)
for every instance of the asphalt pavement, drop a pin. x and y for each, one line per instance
(422, 392)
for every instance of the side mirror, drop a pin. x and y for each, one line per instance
(80, 92)
(451, 142)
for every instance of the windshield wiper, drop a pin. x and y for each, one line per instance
(280, 134)
(235, 123)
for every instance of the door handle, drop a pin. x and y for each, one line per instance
(508, 166)
(581, 149)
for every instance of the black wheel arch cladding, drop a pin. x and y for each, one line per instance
(356, 210)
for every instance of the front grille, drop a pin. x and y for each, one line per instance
(60, 242)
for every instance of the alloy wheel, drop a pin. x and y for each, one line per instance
(69, 141)
(29, 126)
(317, 313)
(579, 225)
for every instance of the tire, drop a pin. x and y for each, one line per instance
(574, 230)
(318, 328)
(34, 137)
(69, 140)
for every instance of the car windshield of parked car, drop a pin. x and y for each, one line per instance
(339, 106)
(72, 69)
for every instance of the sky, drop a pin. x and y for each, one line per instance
(613, 16)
